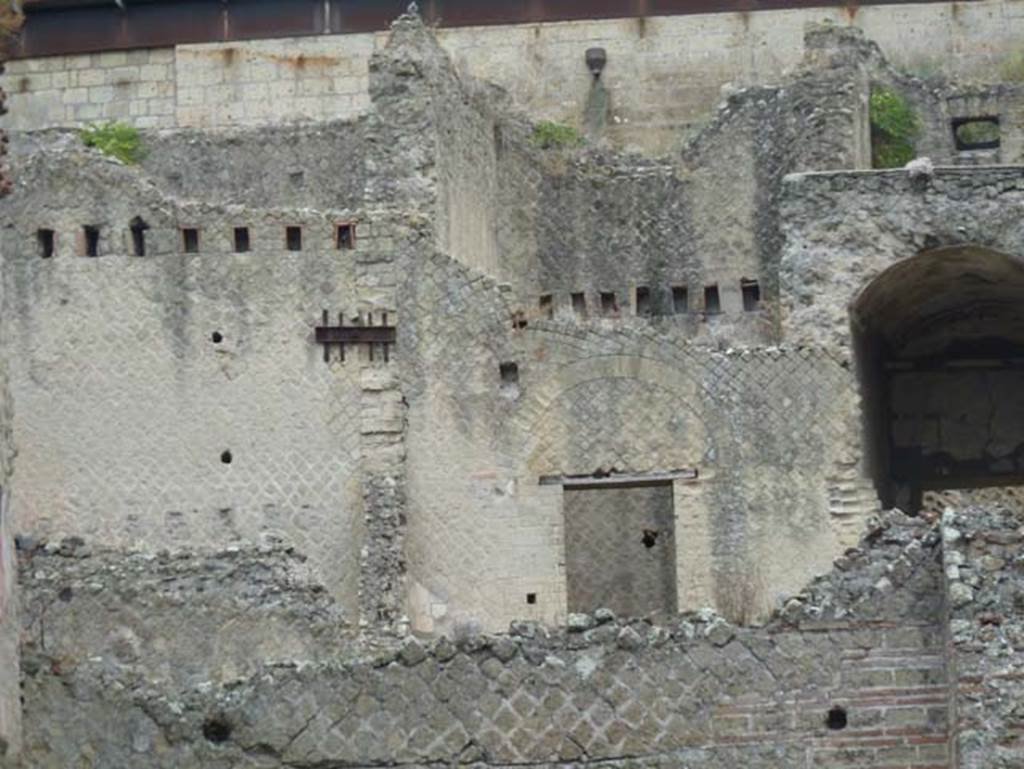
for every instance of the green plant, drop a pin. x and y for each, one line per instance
(118, 140)
(894, 128)
(548, 134)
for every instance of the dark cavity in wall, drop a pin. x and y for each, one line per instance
(293, 238)
(712, 302)
(509, 374)
(45, 239)
(643, 300)
(345, 236)
(241, 240)
(579, 304)
(217, 729)
(547, 306)
(751, 295)
(92, 240)
(836, 718)
(138, 229)
(190, 240)
(609, 306)
(680, 300)
(938, 341)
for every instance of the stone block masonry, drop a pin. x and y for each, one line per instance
(664, 73)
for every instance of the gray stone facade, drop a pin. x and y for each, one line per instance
(240, 546)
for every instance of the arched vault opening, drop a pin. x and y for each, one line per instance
(939, 342)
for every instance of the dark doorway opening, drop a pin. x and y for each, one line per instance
(939, 343)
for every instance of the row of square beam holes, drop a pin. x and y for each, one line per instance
(344, 238)
(644, 305)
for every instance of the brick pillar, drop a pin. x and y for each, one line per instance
(382, 561)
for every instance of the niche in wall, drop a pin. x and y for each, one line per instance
(620, 549)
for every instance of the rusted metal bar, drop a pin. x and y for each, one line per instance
(355, 334)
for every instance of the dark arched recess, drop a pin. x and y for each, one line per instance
(939, 340)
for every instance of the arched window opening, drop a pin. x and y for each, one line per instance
(939, 342)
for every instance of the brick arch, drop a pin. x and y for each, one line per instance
(552, 399)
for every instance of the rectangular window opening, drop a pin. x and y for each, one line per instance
(609, 306)
(976, 133)
(92, 240)
(643, 300)
(190, 240)
(138, 229)
(712, 302)
(345, 237)
(293, 238)
(509, 373)
(579, 304)
(751, 295)
(680, 300)
(45, 239)
(241, 240)
(531, 598)
(547, 306)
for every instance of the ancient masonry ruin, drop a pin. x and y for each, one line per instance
(422, 438)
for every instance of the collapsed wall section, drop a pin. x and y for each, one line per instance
(983, 535)
(852, 673)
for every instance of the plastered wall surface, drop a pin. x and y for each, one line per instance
(244, 435)
(664, 74)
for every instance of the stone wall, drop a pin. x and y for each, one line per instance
(983, 540)
(620, 549)
(845, 229)
(853, 673)
(196, 411)
(664, 74)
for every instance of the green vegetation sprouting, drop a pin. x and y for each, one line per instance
(548, 135)
(118, 140)
(894, 128)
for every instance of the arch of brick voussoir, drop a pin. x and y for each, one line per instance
(529, 421)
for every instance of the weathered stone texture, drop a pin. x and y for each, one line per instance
(983, 534)
(698, 692)
(267, 82)
(225, 539)
(869, 221)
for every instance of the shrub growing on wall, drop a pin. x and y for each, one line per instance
(118, 140)
(894, 128)
(548, 135)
